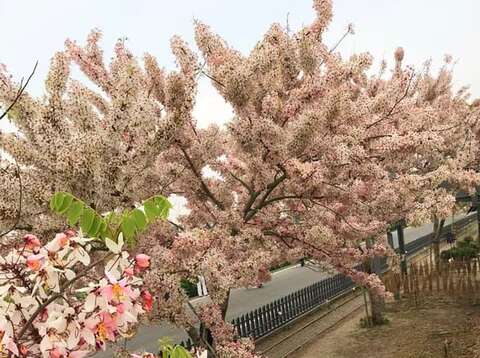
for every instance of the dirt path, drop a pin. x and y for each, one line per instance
(423, 332)
(329, 343)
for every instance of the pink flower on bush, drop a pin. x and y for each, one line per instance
(147, 300)
(128, 272)
(63, 239)
(73, 325)
(116, 291)
(142, 261)
(35, 262)
(31, 242)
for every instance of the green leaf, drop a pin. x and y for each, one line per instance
(128, 229)
(180, 352)
(103, 230)
(67, 201)
(74, 212)
(97, 223)
(163, 205)
(56, 201)
(151, 210)
(86, 220)
(139, 218)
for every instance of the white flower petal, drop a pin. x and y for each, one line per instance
(88, 336)
(45, 344)
(69, 274)
(90, 302)
(112, 246)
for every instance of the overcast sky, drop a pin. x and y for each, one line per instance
(33, 30)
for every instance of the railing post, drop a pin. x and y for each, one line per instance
(477, 201)
(401, 246)
(263, 328)
(256, 323)
(390, 239)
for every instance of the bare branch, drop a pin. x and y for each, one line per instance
(250, 212)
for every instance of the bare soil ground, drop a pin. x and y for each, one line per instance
(440, 327)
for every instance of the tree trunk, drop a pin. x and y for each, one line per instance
(224, 305)
(437, 232)
(377, 303)
(377, 307)
(401, 248)
(478, 217)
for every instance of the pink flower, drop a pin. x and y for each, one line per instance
(63, 239)
(31, 241)
(44, 315)
(23, 350)
(12, 347)
(142, 261)
(35, 262)
(128, 272)
(147, 300)
(117, 291)
(120, 308)
(107, 327)
(55, 353)
(70, 233)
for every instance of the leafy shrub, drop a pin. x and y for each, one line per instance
(464, 250)
(190, 287)
(279, 266)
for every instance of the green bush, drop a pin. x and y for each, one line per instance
(464, 250)
(279, 266)
(190, 287)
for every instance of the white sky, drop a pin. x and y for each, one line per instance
(33, 30)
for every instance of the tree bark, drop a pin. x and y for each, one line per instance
(478, 217)
(377, 303)
(437, 232)
(377, 308)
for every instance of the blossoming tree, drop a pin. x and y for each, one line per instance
(102, 147)
(317, 159)
(131, 127)
(323, 156)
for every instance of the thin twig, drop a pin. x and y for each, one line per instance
(20, 92)
(397, 102)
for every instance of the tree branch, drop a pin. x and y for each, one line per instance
(245, 185)
(397, 102)
(249, 212)
(202, 183)
(20, 92)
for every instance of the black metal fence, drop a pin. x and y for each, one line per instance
(265, 319)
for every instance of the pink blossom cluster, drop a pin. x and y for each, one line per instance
(61, 300)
